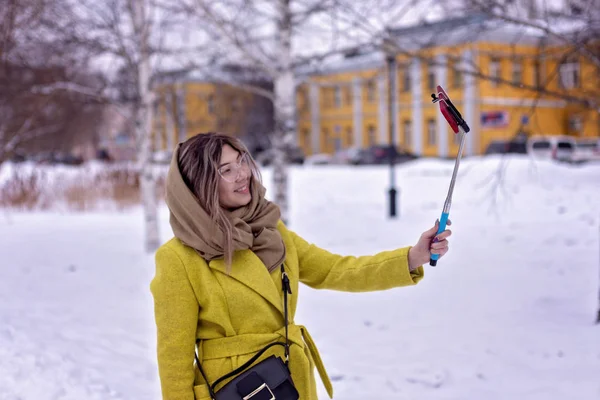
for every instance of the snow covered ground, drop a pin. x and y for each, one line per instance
(507, 314)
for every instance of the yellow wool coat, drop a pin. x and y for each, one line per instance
(236, 315)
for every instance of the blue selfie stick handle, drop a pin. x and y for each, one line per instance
(459, 126)
(441, 228)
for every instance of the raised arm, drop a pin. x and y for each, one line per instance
(321, 269)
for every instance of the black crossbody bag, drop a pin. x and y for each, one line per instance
(270, 379)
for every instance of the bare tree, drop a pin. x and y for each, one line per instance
(238, 25)
(29, 64)
(131, 41)
(279, 37)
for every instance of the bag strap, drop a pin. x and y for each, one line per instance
(285, 286)
(212, 394)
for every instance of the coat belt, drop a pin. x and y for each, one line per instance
(252, 342)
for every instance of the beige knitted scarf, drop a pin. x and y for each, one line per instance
(254, 225)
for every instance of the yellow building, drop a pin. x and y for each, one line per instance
(190, 104)
(503, 79)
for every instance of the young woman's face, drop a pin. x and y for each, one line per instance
(234, 179)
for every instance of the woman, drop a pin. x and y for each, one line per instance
(218, 280)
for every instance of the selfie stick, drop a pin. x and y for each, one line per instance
(458, 125)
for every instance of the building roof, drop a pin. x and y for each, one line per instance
(473, 28)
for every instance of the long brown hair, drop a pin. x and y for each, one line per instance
(199, 158)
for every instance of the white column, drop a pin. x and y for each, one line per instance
(417, 106)
(181, 112)
(169, 121)
(315, 117)
(157, 125)
(382, 115)
(469, 96)
(357, 110)
(441, 77)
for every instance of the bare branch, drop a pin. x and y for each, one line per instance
(545, 28)
(24, 135)
(247, 87)
(300, 18)
(67, 86)
(232, 32)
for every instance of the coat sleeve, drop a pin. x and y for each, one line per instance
(321, 269)
(176, 314)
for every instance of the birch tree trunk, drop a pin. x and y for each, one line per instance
(285, 118)
(143, 124)
(598, 316)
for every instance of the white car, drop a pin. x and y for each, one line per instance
(319, 159)
(587, 149)
(560, 148)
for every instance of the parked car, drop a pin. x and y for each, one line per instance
(347, 156)
(560, 148)
(265, 157)
(587, 149)
(380, 154)
(57, 157)
(496, 147)
(319, 159)
(506, 147)
(18, 157)
(103, 155)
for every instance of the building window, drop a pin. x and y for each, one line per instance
(576, 124)
(372, 138)
(569, 74)
(517, 71)
(458, 78)
(328, 95)
(236, 105)
(406, 81)
(371, 91)
(431, 132)
(456, 74)
(338, 96)
(431, 76)
(407, 133)
(306, 138)
(495, 71)
(337, 142)
(537, 74)
(326, 140)
(349, 136)
(210, 104)
(348, 93)
(302, 100)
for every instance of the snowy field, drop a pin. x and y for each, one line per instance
(507, 314)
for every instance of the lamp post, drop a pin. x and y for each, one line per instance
(392, 99)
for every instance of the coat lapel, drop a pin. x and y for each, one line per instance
(248, 269)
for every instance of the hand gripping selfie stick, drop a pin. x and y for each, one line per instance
(458, 125)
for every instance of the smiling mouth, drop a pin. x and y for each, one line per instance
(242, 189)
